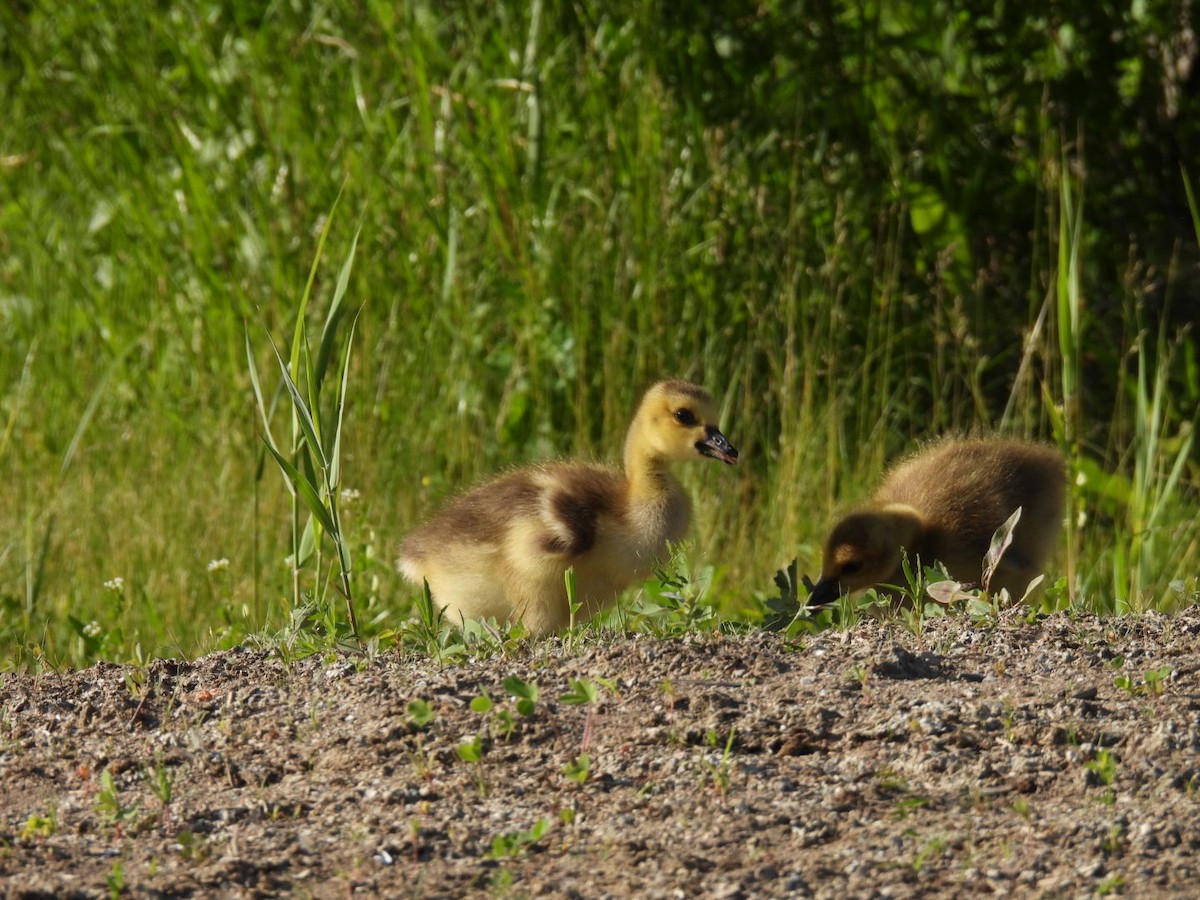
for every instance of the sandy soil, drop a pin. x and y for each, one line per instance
(1028, 759)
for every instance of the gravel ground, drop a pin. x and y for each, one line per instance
(1028, 759)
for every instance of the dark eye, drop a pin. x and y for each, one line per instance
(851, 568)
(685, 416)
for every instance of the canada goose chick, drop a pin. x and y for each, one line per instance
(503, 549)
(945, 503)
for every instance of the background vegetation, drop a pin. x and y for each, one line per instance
(859, 224)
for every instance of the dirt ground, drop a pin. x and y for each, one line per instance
(1056, 759)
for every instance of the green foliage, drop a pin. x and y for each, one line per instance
(420, 714)
(471, 751)
(1102, 768)
(114, 880)
(579, 769)
(40, 826)
(311, 463)
(859, 228)
(676, 600)
(518, 843)
(582, 691)
(108, 802)
(1153, 681)
(161, 782)
(524, 692)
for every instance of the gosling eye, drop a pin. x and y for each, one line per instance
(851, 568)
(685, 416)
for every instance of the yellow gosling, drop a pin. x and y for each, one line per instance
(503, 548)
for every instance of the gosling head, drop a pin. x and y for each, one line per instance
(863, 550)
(677, 421)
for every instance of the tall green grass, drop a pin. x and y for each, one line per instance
(549, 216)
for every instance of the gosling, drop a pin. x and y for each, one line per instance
(503, 549)
(945, 503)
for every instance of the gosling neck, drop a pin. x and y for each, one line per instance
(647, 471)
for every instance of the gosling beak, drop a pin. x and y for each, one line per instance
(716, 446)
(823, 593)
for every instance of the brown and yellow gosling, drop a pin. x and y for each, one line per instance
(503, 548)
(944, 503)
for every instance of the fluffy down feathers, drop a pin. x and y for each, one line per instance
(944, 503)
(503, 549)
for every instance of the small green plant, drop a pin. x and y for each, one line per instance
(1114, 841)
(311, 463)
(420, 714)
(674, 601)
(1156, 679)
(1103, 769)
(859, 674)
(115, 879)
(579, 769)
(573, 606)
(41, 826)
(1111, 884)
(782, 612)
(426, 632)
(719, 772)
(514, 844)
(161, 782)
(500, 722)
(1001, 540)
(414, 834)
(581, 691)
(525, 692)
(1153, 681)
(906, 806)
(471, 751)
(108, 802)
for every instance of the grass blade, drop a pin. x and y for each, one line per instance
(307, 426)
(329, 330)
(297, 334)
(335, 456)
(305, 488)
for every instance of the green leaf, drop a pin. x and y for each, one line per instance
(298, 334)
(1000, 542)
(582, 691)
(329, 330)
(254, 383)
(308, 543)
(526, 690)
(335, 456)
(306, 423)
(471, 751)
(421, 713)
(305, 489)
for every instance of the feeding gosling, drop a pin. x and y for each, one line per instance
(503, 548)
(944, 503)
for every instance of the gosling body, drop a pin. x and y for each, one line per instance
(944, 504)
(503, 549)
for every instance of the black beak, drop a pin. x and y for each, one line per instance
(716, 446)
(823, 593)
